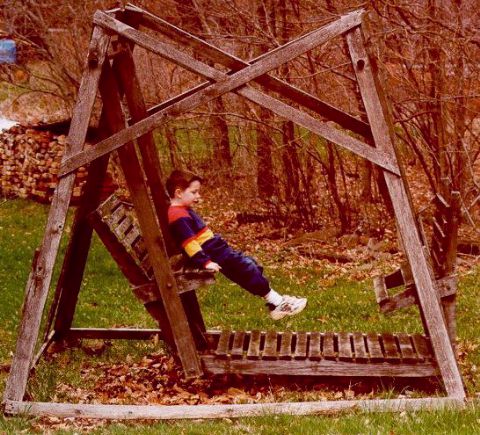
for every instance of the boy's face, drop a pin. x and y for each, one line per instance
(190, 195)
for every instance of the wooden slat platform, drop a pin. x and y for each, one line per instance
(320, 354)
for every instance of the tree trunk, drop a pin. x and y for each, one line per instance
(193, 21)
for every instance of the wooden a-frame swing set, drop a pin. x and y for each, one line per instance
(142, 249)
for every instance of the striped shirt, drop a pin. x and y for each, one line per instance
(190, 233)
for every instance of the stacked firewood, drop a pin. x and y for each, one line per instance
(29, 164)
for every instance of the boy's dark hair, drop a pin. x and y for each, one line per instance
(180, 180)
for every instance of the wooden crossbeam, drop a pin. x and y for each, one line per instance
(382, 130)
(39, 282)
(280, 108)
(226, 84)
(213, 53)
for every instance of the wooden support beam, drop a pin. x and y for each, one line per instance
(273, 366)
(75, 260)
(69, 282)
(38, 285)
(212, 53)
(113, 333)
(124, 69)
(158, 412)
(382, 130)
(447, 287)
(280, 108)
(151, 232)
(273, 60)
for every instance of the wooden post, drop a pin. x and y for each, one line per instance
(383, 134)
(39, 282)
(124, 70)
(70, 280)
(151, 232)
(75, 260)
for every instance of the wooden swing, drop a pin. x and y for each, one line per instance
(142, 250)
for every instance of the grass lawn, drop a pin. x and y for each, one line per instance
(106, 301)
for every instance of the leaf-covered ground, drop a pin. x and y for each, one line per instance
(340, 298)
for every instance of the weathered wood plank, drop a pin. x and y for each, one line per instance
(212, 53)
(344, 347)
(140, 249)
(390, 348)
(382, 130)
(152, 234)
(307, 367)
(121, 229)
(131, 237)
(225, 84)
(406, 348)
(223, 346)
(422, 347)
(374, 348)
(301, 345)
(380, 288)
(237, 345)
(270, 347)
(135, 275)
(285, 345)
(359, 347)
(126, 75)
(113, 333)
(157, 412)
(314, 349)
(400, 300)
(253, 351)
(328, 346)
(116, 214)
(37, 286)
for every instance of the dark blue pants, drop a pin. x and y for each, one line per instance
(237, 267)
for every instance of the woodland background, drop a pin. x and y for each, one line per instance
(427, 52)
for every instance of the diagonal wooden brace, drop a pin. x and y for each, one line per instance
(336, 136)
(215, 54)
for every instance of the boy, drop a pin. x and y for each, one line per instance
(210, 251)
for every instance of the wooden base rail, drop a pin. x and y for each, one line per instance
(156, 412)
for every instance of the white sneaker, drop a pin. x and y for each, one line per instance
(289, 307)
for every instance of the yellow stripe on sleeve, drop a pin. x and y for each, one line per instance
(192, 247)
(203, 237)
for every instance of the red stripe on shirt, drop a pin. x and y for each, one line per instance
(177, 212)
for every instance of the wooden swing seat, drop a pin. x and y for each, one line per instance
(116, 224)
(402, 278)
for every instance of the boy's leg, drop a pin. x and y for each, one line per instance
(244, 271)
(248, 274)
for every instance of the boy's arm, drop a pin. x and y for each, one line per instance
(183, 233)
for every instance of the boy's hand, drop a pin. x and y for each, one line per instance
(213, 266)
